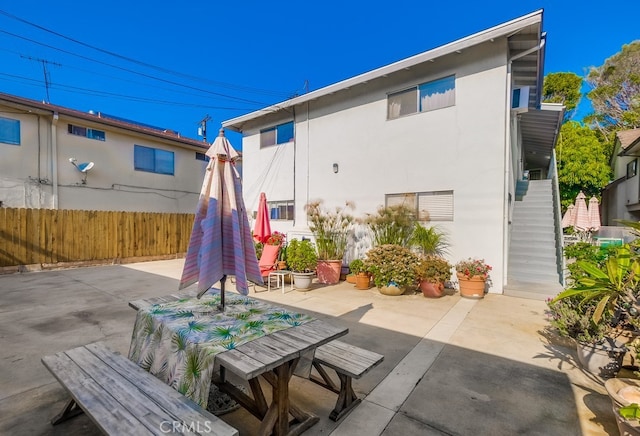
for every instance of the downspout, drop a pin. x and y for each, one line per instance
(54, 157)
(507, 154)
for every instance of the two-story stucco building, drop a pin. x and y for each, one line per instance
(455, 132)
(135, 167)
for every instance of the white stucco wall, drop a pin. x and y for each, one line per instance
(28, 171)
(460, 148)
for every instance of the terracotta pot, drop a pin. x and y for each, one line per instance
(363, 281)
(282, 264)
(432, 290)
(329, 271)
(391, 290)
(471, 287)
(351, 278)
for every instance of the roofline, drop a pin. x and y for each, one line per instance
(50, 109)
(498, 31)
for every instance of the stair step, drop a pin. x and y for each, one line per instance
(534, 278)
(527, 246)
(547, 253)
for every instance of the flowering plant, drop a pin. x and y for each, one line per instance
(391, 265)
(276, 238)
(473, 267)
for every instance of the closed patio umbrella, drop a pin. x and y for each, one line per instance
(221, 242)
(262, 226)
(569, 217)
(581, 213)
(594, 214)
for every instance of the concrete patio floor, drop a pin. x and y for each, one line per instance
(452, 366)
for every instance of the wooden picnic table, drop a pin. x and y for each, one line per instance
(275, 357)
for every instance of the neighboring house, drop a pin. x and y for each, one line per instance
(135, 167)
(621, 198)
(451, 131)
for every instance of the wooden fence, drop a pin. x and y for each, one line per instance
(45, 236)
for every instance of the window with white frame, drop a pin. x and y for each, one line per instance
(280, 134)
(428, 206)
(281, 210)
(153, 160)
(98, 135)
(425, 97)
(9, 131)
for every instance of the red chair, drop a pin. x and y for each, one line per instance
(268, 260)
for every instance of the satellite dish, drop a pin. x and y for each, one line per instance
(84, 167)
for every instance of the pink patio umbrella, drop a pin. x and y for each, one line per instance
(569, 217)
(593, 211)
(221, 242)
(581, 213)
(262, 226)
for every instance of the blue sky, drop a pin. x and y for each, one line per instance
(169, 64)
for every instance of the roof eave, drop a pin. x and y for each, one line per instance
(501, 30)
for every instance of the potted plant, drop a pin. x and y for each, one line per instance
(392, 225)
(362, 277)
(279, 239)
(607, 295)
(472, 277)
(393, 268)
(302, 260)
(430, 241)
(432, 272)
(331, 229)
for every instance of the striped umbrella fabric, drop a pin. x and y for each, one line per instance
(262, 226)
(581, 213)
(569, 217)
(221, 243)
(593, 211)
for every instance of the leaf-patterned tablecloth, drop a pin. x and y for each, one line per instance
(177, 341)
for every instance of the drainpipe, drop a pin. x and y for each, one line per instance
(54, 157)
(507, 154)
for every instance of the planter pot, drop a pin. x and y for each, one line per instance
(391, 290)
(302, 281)
(351, 278)
(363, 281)
(603, 359)
(432, 290)
(329, 271)
(282, 264)
(471, 287)
(623, 392)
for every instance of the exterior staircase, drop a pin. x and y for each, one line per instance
(534, 269)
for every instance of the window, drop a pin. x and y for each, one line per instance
(279, 134)
(422, 98)
(428, 206)
(86, 132)
(202, 156)
(280, 210)
(9, 131)
(632, 168)
(153, 160)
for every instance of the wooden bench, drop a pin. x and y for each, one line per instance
(348, 362)
(121, 398)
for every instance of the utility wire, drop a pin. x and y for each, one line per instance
(145, 64)
(134, 72)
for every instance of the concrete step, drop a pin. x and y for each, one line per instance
(532, 226)
(543, 254)
(524, 246)
(533, 277)
(530, 235)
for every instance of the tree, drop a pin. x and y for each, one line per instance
(563, 88)
(615, 91)
(583, 163)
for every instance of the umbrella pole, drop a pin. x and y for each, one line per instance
(222, 281)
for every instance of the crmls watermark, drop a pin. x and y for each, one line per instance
(183, 427)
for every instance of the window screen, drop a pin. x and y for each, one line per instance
(9, 131)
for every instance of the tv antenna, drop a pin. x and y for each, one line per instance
(45, 72)
(202, 130)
